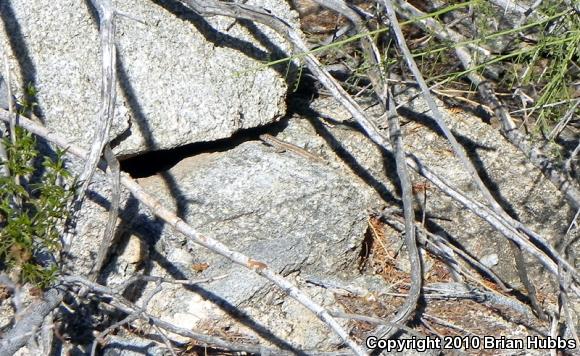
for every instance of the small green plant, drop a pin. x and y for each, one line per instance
(33, 204)
(27, 102)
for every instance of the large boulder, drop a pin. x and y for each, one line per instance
(182, 78)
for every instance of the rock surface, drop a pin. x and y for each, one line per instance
(294, 215)
(518, 185)
(182, 79)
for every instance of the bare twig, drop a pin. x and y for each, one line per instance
(488, 297)
(114, 173)
(108, 79)
(410, 239)
(371, 51)
(570, 113)
(106, 14)
(535, 154)
(40, 343)
(165, 339)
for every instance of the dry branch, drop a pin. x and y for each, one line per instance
(410, 304)
(106, 14)
(115, 175)
(30, 321)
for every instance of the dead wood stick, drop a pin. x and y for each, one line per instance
(30, 321)
(410, 238)
(564, 282)
(114, 173)
(106, 14)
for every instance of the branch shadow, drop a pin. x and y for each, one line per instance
(17, 42)
(302, 109)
